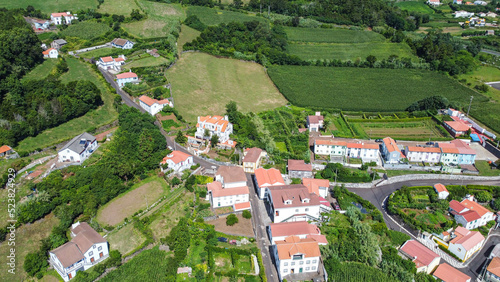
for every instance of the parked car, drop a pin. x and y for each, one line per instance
(222, 239)
(379, 140)
(232, 242)
(336, 206)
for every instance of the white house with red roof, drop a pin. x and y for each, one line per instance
(229, 188)
(50, 53)
(86, 249)
(465, 243)
(265, 178)
(457, 127)
(153, 106)
(434, 2)
(423, 154)
(470, 214)
(296, 255)
(315, 123)
(390, 151)
(448, 273)
(293, 203)
(126, 77)
(177, 161)
(5, 150)
(330, 148)
(466, 155)
(62, 18)
(319, 187)
(122, 43)
(425, 260)
(217, 125)
(110, 63)
(441, 191)
(363, 150)
(299, 169)
(301, 229)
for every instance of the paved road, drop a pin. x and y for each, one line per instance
(490, 52)
(260, 221)
(476, 266)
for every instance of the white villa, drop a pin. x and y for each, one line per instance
(110, 63)
(364, 151)
(122, 43)
(153, 106)
(50, 53)
(177, 161)
(229, 188)
(78, 149)
(62, 18)
(126, 77)
(315, 123)
(265, 178)
(295, 255)
(423, 154)
(217, 125)
(441, 191)
(470, 214)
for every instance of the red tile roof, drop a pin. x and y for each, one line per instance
(391, 146)
(293, 228)
(4, 149)
(176, 157)
(294, 245)
(314, 184)
(440, 188)
(330, 143)
(126, 75)
(315, 119)
(420, 254)
(470, 215)
(298, 165)
(494, 266)
(268, 177)
(475, 207)
(252, 155)
(458, 126)
(242, 206)
(321, 239)
(217, 190)
(423, 149)
(119, 59)
(447, 273)
(457, 206)
(468, 239)
(463, 147)
(107, 59)
(215, 120)
(56, 15)
(295, 193)
(363, 146)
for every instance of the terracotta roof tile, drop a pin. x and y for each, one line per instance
(107, 59)
(494, 266)
(217, 190)
(330, 143)
(420, 254)
(126, 75)
(176, 157)
(458, 126)
(468, 239)
(314, 184)
(293, 228)
(242, 206)
(440, 188)
(252, 155)
(294, 245)
(296, 193)
(391, 146)
(423, 149)
(456, 206)
(4, 149)
(475, 207)
(447, 273)
(298, 165)
(268, 177)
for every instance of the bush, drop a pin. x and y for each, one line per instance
(231, 220)
(247, 214)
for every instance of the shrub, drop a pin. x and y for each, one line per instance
(231, 220)
(247, 214)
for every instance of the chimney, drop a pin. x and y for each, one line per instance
(318, 113)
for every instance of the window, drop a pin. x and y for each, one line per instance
(94, 246)
(301, 262)
(285, 264)
(293, 263)
(285, 270)
(296, 257)
(91, 253)
(308, 268)
(100, 248)
(314, 261)
(307, 209)
(313, 268)
(308, 261)
(296, 210)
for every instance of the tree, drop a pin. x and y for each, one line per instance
(483, 196)
(34, 263)
(214, 140)
(496, 204)
(180, 138)
(247, 214)
(237, 3)
(231, 220)
(176, 181)
(371, 60)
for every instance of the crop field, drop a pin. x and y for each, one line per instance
(359, 89)
(187, 35)
(210, 16)
(86, 30)
(41, 71)
(162, 20)
(323, 35)
(400, 130)
(203, 84)
(171, 214)
(118, 7)
(350, 51)
(101, 116)
(51, 6)
(97, 53)
(138, 197)
(126, 239)
(415, 6)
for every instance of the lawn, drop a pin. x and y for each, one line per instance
(210, 16)
(332, 35)
(126, 239)
(162, 20)
(485, 169)
(118, 7)
(349, 51)
(139, 197)
(171, 213)
(51, 6)
(97, 53)
(41, 71)
(146, 60)
(27, 240)
(222, 261)
(187, 35)
(415, 6)
(371, 89)
(392, 173)
(86, 30)
(242, 228)
(95, 118)
(203, 84)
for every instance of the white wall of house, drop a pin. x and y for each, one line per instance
(230, 184)
(96, 253)
(179, 166)
(362, 153)
(214, 129)
(288, 214)
(121, 81)
(298, 265)
(228, 200)
(128, 45)
(65, 273)
(330, 150)
(430, 268)
(423, 157)
(59, 20)
(468, 225)
(461, 252)
(443, 195)
(72, 156)
(53, 54)
(448, 158)
(153, 109)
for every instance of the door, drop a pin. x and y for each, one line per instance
(300, 270)
(92, 260)
(100, 255)
(70, 276)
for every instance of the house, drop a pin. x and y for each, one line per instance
(441, 191)
(295, 255)
(153, 106)
(86, 249)
(455, 113)
(493, 270)
(186, 269)
(58, 43)
(390, 151)
(62, 18)
(39, 24)
(301, 229)
(207, 126)
(463, 14)
(433, 2)
(425, 260)
(482, 15)
(251, 159)
(265, 178)
(458, 2)
(330, 148)
(177, 161)
(470, 214)
(475, 21)
(449, 153)
(122, 43)
(5, 150)
(110, 63)
(299, 169)
(315, 123)
(229, 188)
(241, 206)
(319, 187)
(465, 243)
(126, 77)
(293, 203)
(491, 15)
(447, 273)
(466, 155)
(423, 154)
(78, 149)
(50, 53)
(490, 32)
(363, 150)
(479, 2)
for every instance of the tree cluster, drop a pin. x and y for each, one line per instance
(430, 103)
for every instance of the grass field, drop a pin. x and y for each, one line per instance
(51, 6)
(137, 198)
(27, 240)
(350, 51)
(485, 169)
(187, 35)
(162, 20)
(210, 16)
(146, 60)
(118, 7)
(415, 6)
(97, 53)
(203, 85)
(103, 115)
(332, 35)
(359, 89)
(86, 30)
(403, 130)
(170, 215)
(41, 71)
(126, 239)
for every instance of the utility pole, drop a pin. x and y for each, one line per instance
(471, 97)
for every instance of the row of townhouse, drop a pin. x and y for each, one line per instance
(456, 152)
(364, 150)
